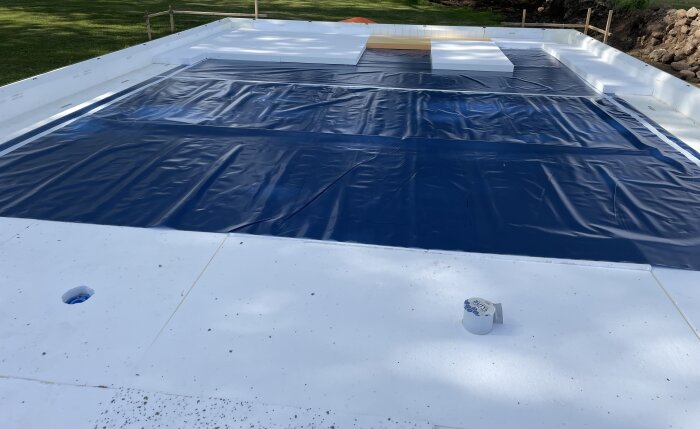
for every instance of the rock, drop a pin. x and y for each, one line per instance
(685, 29)
(697, 74)
(657, 35)
(688, 49)
(657, 54)
(695, 68)
(667, 57)
(679, 65)
(654, 41)
(681, 14)
(695, 23)
(680, 22)
(540, 9)
(697, 35)
(692, 13)
(685, 74)
(678, 56)
(673, 32)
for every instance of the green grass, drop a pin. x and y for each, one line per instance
(41, 35)
(631, 4)
(646, 4)
(675, 4)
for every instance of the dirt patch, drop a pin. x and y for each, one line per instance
(672, 43)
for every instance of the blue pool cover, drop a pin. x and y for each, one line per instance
(385, 152)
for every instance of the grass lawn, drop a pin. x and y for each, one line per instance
(41, 35)
(675, 4)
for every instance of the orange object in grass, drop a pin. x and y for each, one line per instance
(359, 20)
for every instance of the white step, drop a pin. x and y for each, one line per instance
(600, 74)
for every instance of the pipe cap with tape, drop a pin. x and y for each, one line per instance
(480, 315)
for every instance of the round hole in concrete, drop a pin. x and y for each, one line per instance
(77, 295)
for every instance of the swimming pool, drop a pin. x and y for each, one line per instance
(386, 152)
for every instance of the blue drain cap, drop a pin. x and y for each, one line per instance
(77, 295)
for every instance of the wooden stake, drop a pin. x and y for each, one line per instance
(256, 9)
(148, 26)
(172, 18)
(607, 26)
(522, 23)
(192, 12)
(588, 21)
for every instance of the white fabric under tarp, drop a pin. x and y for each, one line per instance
(250, 44)
(475, 55)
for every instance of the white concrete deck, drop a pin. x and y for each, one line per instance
(475, 55)
(130, 408)
(682, 288)
(276, 46)
(334, 327)
(11, 127)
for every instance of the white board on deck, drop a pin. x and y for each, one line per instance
(474, 55)
(250, 44)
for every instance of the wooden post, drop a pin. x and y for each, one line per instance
(588, 21)
(607, 26)
(256, 9)
(172, 18)
(522, 23)
(148, 26)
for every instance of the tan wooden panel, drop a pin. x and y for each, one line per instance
(379, 41)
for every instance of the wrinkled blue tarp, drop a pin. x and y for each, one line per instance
(538, 175)
(535, 73)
